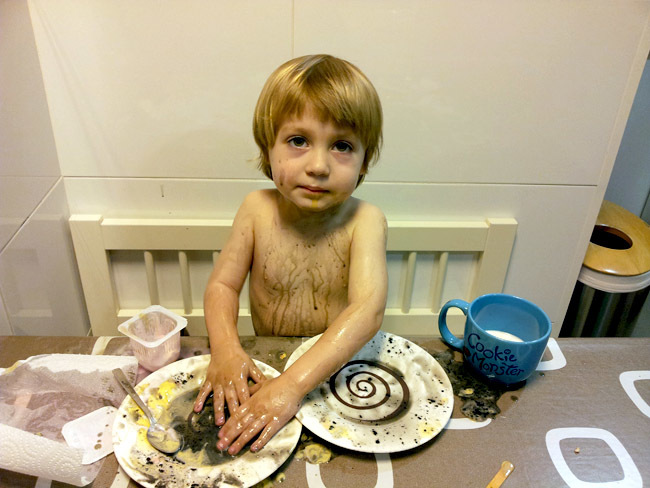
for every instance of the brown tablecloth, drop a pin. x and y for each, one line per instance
(587, 420)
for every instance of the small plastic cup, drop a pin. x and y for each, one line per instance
(155, 335)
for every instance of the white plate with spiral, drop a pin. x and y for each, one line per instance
(390, 397)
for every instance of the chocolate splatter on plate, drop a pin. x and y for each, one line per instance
(392, 396)
(168, 393)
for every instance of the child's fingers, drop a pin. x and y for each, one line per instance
(271, 429)
(241, 386)
(233, 428)
(218, 401)
(202, 396)
(231, 398)
(246, 435)
(256, 374)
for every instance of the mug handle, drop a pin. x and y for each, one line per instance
(447, 336)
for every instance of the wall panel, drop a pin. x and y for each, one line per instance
(491, 92)
(39, 281)
(149, 89)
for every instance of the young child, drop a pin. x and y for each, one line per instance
(316, 255)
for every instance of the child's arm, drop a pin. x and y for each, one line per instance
(230, 367)
(278, 400)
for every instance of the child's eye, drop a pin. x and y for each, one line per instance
(297, 141)
(343, 146)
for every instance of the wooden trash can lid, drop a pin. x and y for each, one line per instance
(620, 243)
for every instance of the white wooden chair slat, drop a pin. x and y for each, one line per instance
(439, 281)
(152, 280)
(407, 290)
(95, 237)
(186, 286)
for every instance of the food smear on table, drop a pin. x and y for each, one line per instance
(479, 398)
(313, 452)
(269, 482)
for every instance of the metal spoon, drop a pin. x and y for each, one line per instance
(165, 439)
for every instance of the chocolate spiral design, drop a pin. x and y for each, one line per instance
(371, 387)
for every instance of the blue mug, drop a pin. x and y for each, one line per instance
(505, 336)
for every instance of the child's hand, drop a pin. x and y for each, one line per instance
(267, 411)
(227, 378)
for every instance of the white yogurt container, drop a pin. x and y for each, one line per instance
(155, 335)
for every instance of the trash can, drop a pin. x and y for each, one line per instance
(614, 280)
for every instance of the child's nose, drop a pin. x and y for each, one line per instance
(318, 164)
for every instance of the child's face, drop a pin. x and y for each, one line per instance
(316, 164)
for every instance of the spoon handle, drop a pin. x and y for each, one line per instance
(121, 378)
(506, 468)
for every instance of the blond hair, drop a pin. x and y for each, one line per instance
(334, 88)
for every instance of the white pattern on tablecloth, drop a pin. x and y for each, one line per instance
(627, 380)
(558, 361)
(631, 475)
(466, 424)
(384, 473)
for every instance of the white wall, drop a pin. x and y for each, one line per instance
(29, 166)
(492, 109)
(40, 292)
(629, 185)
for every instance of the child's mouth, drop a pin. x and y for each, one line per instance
(313, 189)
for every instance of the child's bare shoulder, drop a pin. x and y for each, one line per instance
(370, 210)
(258, 202)
(367, 214)
(259, 197)
(369, 226)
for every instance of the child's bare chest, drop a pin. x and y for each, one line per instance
(298, 285)
(289, 262)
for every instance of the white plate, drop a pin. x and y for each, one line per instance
(392, 396)
(150, 468)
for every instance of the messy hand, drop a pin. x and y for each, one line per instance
(267, 411)
(227, 378)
